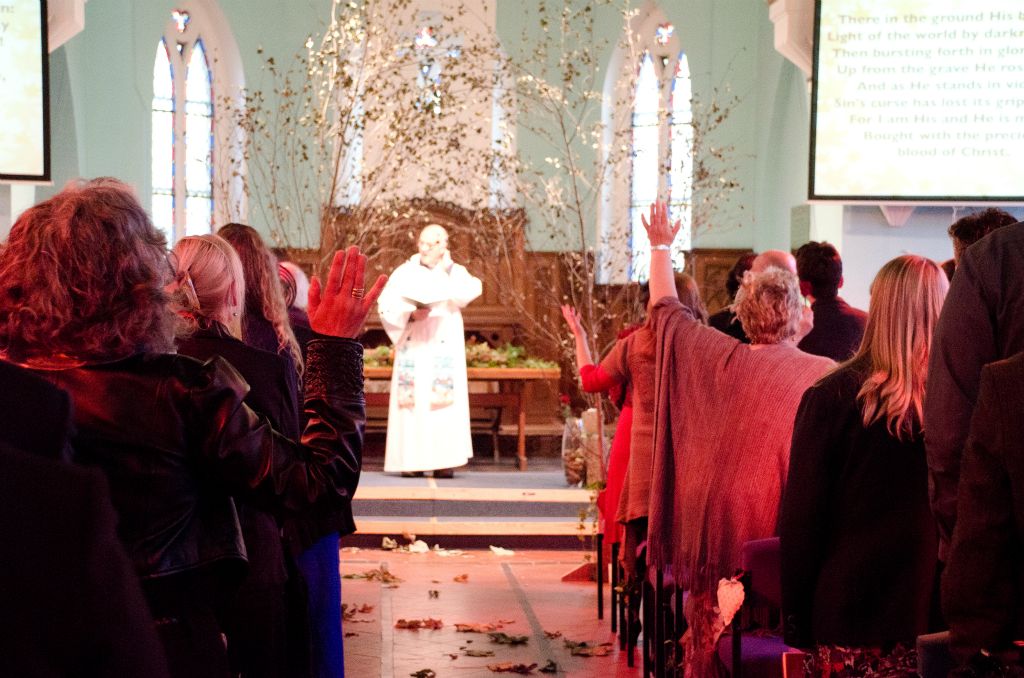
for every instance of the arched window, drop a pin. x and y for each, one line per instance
(189, 197)
(653, 84)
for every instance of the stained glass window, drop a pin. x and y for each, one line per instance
(182, 141)
(645, 165)
(163, 142)
(198, 144)
(661, 164)
(681, 152)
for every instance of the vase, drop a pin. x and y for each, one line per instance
(573, 454)
(593, 457)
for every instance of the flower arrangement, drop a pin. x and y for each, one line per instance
(478, 354)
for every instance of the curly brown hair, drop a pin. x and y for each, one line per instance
(82, 277)
(263, 294)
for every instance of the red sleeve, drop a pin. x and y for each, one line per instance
(595, 379)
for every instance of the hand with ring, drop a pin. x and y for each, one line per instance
(339, 308)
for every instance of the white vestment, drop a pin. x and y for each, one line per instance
(428, 414)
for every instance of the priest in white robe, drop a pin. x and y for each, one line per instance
(421, 310)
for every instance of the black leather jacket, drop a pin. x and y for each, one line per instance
(176, 442)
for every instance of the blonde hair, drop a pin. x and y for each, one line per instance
(207, 272)
(768, 305)
(906, 299)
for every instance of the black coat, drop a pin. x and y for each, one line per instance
(982, 321)
(838, 330)
(858, 540)
(983, 583)
(176, 441)
(36, 416)
(272, 393)
(70, 603)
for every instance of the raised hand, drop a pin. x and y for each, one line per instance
(572, 317)
(658, 230)
(340, 308)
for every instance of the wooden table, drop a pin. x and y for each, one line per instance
(510, 380)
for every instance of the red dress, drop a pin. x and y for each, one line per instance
(595, 380)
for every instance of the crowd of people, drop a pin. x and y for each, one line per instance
(182, 437)
(842, 432)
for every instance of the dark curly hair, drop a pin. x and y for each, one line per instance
(82, 277)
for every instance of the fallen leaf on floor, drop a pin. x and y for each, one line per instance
(350, 549)
(584, 649)
(511, 667)
(388, 544)
(424, 673)
(348, 612)
(550, 667)
(461, 578)
(417, 624)
(433, 594)
(447, 553)
(505, 639)
(349, 634)
(391, 586)
(453, 655)
(418, 546)
(380, 574)
(479, 653)
(435, 581)
(506, 621)
(499, 551)
(553, 634)
(477, 628)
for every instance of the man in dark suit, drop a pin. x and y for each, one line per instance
(982, 321)
(838, 327)
(70, 602)
(983, 585)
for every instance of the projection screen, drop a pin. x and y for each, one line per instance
(24, 92)
(918, 101)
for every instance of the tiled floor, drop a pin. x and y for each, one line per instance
(523, 592)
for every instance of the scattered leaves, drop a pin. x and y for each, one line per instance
(348, 612)
(477, 628)
(349, 634)
(553, 634)
(461, 578)
(424, 673)
(388, 544)
(505, 639)
(479, 653)
(417, 624)
(512, 667)
(584, 649)
(380, 574)
(499, 551)
(433, 594)
(550, 667)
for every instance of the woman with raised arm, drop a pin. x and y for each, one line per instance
(82, 303)
(312, 539)
(859, 545)
(628, 373)
(723, 422)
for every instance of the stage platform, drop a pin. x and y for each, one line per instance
(475, 508)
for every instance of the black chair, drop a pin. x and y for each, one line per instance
(757, 656)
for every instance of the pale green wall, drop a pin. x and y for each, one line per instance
(102, 92)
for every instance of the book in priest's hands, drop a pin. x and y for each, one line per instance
(425, 298)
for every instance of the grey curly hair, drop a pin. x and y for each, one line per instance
(768, 305)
